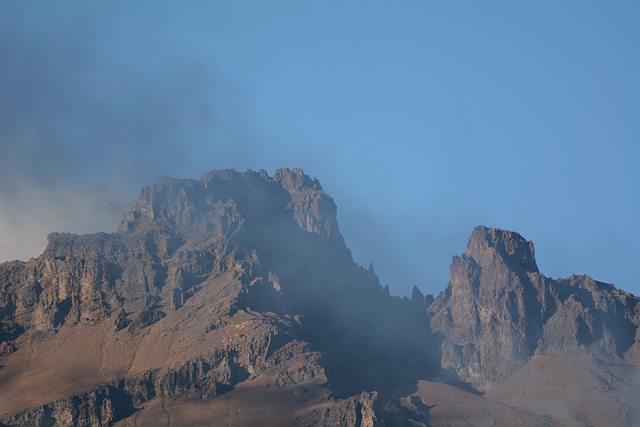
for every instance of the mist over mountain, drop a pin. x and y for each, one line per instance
(423, 119)
(233, 300)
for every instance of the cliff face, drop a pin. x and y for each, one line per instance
(501, 319)
(233, 278)
(486, 312)
(234, 298)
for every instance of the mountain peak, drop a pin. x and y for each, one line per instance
(485, 243)
(240, 284)
(294, 180)
(188, 206)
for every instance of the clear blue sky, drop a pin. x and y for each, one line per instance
(422, 119)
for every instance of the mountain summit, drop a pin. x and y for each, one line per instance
(236, 289)
(513, 333)
(233, 300)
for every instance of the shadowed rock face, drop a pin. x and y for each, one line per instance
(234, 298)
(498, 312)
(233, 278)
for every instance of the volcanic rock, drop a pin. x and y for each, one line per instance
(233, 299)
(502, 321)
(236, 278)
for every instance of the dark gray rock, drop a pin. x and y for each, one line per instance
(498, 311)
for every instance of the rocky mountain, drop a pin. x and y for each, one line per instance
(233, 300)
(568, 347)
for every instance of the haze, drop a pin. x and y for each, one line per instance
(421, 119)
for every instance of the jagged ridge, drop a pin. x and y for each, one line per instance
(236, 294)
(242, 265)
(499, 315)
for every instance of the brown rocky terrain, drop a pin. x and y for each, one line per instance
(233, 300)
(235, 285)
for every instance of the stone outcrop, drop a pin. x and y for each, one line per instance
(234, 298)
(498, 311)
(207, 284)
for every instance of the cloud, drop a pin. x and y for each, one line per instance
(80, 104)
(34, 212)
(93, 105)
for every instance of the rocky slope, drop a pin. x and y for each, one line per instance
(514, 333)
(234, 298)
(234, 278)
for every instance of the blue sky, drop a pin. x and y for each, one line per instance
(422, 119)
